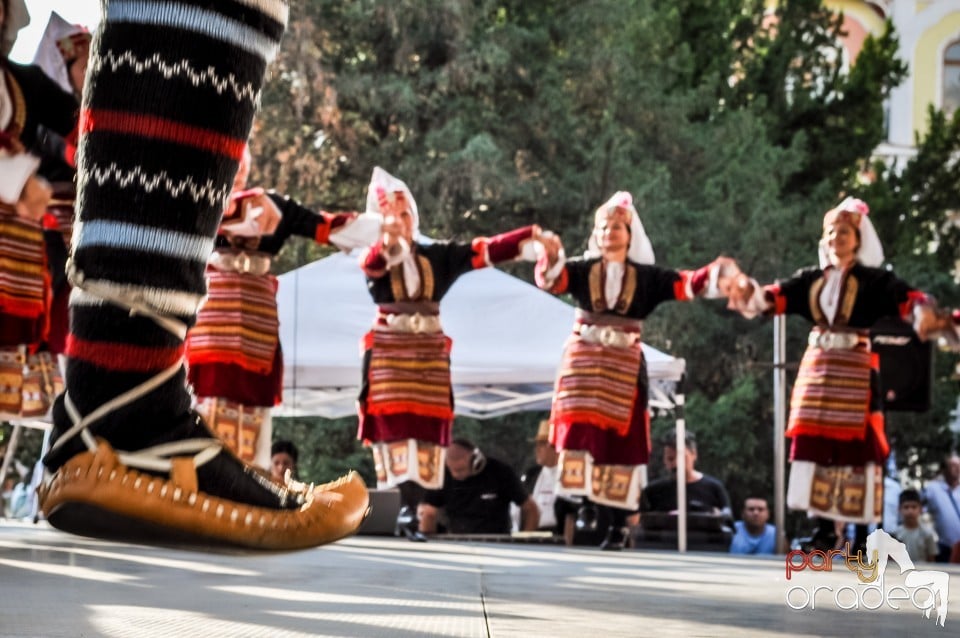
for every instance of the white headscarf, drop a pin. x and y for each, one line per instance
(50, 56)
(870, 252)
(382, 186)
(640, 249)
(17, 17)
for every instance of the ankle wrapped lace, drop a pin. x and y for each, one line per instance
(187, 490)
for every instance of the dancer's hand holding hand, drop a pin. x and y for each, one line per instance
(551, 243)
(930, 321)
(733, 283)
(266, 213)
(728, 274)
(258, 216)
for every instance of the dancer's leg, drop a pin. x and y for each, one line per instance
(171, 94)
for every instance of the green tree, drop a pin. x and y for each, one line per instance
(733, 132)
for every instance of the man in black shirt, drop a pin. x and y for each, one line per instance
(476, 495)
(705, 494)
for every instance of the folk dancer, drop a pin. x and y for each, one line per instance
(599, 420)
(406, 398)
(836, 421)
(63, 54)
(29, 378)
(234, 359)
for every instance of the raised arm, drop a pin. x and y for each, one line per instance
(489, 251)
(346, 231)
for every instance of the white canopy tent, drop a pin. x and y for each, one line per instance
(507, 340)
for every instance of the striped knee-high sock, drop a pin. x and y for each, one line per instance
(170, 97)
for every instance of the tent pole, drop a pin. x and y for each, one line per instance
(779, 428)
(681, 474)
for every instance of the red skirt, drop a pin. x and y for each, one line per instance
(606, 446)
(231, 381)
(406, 391)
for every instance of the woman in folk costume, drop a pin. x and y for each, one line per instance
(29, 378)
(234, 360)
(836, 421)
(599, 420)
(406, 398)
(63, 54)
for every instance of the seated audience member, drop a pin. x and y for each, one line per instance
(753, 534)
(705, 494)
(476, 495)
(6, 494)
(943, 503)
(23, 498)
(540, 481)
(283, 457)
(920, 540)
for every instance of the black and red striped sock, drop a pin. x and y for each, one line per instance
(171, 92)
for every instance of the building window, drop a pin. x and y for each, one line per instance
(951, 78)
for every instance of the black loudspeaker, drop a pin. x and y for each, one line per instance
(906, 366)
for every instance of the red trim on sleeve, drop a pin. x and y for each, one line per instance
(559, 286)
(772, 293)
(331, 222)
(480, 247)
(680, 287)
(70, 146)
(373, 263)
(337, 220)
(914, 298)
(562, 283)
(322, 236)
(699, 279)
(506, 246)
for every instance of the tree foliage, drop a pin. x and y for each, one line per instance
(734, 129)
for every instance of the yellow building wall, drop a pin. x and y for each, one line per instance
(927, 65)
(866, 16)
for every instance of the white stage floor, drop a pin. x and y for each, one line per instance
(53, 584)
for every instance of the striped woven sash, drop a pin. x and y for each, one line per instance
(23, 278)
(409, 373)
(237, 323)
(832, 392)
(597, 384)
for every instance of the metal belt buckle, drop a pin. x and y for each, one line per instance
(836, 340)
(608, 336)
(417, 322)
(244, 263)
